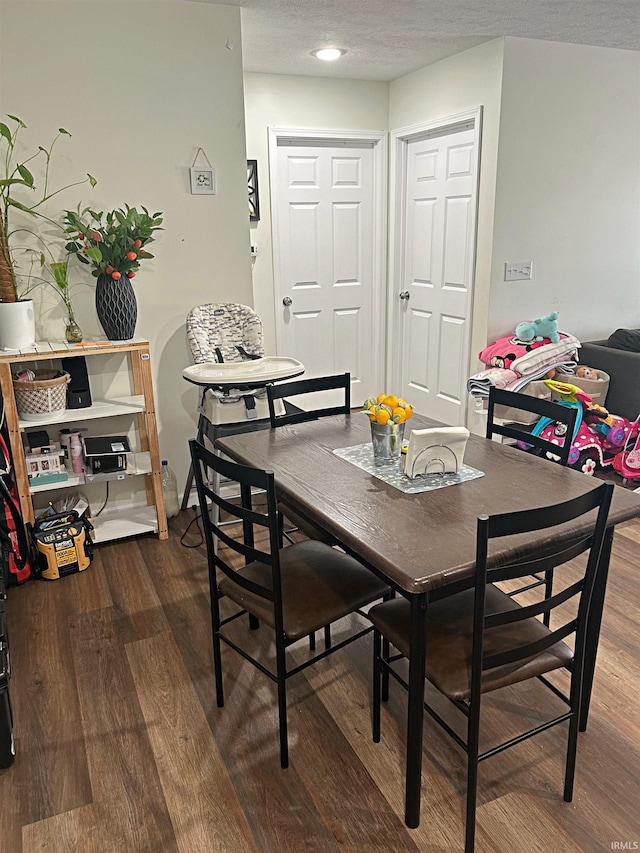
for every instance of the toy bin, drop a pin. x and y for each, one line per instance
(596, 387)
(535, 388)
(43, 396)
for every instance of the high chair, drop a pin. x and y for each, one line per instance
(226, 343)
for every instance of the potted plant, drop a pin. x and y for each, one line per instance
(114, 244)
(17, 316)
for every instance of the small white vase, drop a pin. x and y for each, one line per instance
(17, 325)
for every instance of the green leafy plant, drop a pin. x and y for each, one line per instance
(17, 176)
(115, 244)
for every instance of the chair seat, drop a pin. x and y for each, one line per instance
(449, 641)
(319, 586)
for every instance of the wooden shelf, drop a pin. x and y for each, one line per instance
(118, 524)
(121, 521)
(139, 465)
(99, 409)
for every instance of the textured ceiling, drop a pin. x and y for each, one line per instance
(388, 38)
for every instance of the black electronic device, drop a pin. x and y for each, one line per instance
(38, 439)
(105, 454)
(78, 391)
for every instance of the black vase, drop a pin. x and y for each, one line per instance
(116, 307)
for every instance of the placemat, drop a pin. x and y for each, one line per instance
(361, 455)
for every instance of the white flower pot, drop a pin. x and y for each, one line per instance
(17, 325)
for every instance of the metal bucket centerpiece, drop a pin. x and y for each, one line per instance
(387, 414)
(387, 441)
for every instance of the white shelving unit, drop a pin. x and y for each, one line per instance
(120, 521)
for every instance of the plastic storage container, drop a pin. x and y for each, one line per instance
(170, 490)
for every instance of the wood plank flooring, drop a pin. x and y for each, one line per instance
(121, 747)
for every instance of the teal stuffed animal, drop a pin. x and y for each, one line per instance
(537, 330)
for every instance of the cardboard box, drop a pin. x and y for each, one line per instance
(44, 464)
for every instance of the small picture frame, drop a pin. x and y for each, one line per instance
(252, 186)
(202, 181)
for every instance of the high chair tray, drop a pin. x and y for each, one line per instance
(257, 372)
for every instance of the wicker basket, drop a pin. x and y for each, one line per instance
(43, 396)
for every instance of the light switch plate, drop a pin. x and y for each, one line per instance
(518, 270)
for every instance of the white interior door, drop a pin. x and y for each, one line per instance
(437, 193)
(328, 217)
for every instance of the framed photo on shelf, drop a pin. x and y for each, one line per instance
(252, 184)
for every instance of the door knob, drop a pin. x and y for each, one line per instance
(287, 301)
(405, 294)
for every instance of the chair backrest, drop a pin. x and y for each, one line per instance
(254, 523)
(309, 386)
(566, 416)
(224, 331)
(574, 619)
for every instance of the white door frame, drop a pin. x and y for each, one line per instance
(378, 140)
(470, 119)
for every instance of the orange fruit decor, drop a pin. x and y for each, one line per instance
(391, 401)
(387, 409)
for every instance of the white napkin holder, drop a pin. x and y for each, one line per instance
(439, 450)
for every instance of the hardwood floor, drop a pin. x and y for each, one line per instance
(120, 745)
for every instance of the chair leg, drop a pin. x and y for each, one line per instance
(281, 674)
(215, 628)
(327, 636)
(548, 592)
(386, 651)
(375, 725)
(312, 642)
(593, 628)
(217, 667)
(572, 740)
(473, 741)
(254, 622)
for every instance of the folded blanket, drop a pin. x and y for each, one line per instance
(479, 384)
(527, 356)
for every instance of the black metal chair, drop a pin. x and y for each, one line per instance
(295, 590)
(482, 640)
(565, 416)
(294, 415)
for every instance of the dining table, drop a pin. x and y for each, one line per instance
(423, 542)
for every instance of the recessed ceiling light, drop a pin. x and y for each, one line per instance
(328, 53)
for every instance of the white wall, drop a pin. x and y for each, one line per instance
(140, 86)
(568, 188)
(302, 102)
(448, 87)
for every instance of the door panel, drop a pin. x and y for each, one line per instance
(324, 260)
(437, 249)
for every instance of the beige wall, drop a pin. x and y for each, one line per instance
(298, 102)
(568, 187)
(140, 86)
(453, 85)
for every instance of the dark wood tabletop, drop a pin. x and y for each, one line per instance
(418, 541)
